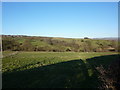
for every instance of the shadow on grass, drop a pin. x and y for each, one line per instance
(70, 74)
(106, 69)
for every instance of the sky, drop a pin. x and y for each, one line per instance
(60, 19)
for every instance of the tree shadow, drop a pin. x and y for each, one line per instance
(70, 74)
(102, 60)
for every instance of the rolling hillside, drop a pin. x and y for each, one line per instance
(55, 44)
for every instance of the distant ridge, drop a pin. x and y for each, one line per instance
(38, 36)
(108, 38)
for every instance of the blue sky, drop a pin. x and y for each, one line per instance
(64, 19)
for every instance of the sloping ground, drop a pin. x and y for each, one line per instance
(108, 71)
(33, 43)
(76, 73)
(111, 75)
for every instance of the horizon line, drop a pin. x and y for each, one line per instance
(58, 37)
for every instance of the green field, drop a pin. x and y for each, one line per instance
(54, 69)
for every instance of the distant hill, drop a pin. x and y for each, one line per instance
(108, 38)
(57, 44)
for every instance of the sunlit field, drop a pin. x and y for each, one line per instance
(53, 69)
(60, 45)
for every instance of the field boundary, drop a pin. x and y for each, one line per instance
(11, 54)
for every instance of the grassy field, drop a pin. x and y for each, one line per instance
(54, 69)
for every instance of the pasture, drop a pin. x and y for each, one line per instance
(54, 69)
